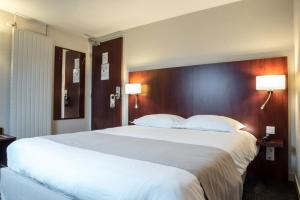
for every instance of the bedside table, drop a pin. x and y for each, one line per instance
(270, 146)
(5, 140)
(130, 123)
(271, 161)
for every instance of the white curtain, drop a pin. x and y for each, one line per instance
(31, 84)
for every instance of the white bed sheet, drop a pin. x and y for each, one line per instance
(90, 175)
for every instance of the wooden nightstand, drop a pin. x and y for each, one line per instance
(271, 161)
(5, 140)
(270, 146)
(130, 123)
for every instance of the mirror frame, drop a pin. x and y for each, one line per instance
(58, 84)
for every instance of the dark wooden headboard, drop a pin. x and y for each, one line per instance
(227, 89)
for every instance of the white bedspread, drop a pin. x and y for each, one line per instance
(90, 175)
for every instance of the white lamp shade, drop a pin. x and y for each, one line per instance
(270, 82)
(133, 88)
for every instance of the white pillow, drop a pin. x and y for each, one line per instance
(159, 120)
(212, 123)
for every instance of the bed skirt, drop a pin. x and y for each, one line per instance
(15, 186)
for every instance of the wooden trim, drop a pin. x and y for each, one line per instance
(278, 143)
(58, 83)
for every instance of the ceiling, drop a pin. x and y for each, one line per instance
(101, 17)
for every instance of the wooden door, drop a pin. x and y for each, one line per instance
(103, 116)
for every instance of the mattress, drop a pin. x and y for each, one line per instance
(115, 175)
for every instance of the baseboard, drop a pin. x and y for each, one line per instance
(297, 185)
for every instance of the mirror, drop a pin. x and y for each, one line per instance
(69, 79)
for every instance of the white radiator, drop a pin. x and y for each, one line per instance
(31, 84)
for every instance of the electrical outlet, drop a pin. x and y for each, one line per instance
(270, 130)
(270, 153)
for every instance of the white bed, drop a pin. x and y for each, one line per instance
(102, 176)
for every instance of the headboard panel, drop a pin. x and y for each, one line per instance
(222, 89)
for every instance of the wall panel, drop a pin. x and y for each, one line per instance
(227, 89)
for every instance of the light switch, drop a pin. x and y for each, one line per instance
(270, 153)
(118, 92)
(270, 130)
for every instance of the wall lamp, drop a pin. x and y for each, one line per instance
(135, 89)
(270, 83)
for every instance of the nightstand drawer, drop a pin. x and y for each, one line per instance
(278, 143)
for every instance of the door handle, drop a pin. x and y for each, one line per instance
(112, 101)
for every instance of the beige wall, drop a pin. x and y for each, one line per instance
(5, 55)
(60, 38)
(235, 31)
(244, 30)
(79, 44)
(297, 80)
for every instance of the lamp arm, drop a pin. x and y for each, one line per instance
(270, 94)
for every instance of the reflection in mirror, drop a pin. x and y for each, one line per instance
(69, 84)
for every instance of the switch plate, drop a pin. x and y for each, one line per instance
(270, 130)
(118, 92)
(270, 153)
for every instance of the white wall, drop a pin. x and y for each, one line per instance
(5, 55)
(297, 80)
(79, 44)
(60, 38)
(244, 30)
(234, 31)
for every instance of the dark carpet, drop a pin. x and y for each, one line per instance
(256, 189)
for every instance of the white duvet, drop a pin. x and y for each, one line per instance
(90, 175)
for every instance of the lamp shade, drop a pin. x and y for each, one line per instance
(133, 88)
(270, 82)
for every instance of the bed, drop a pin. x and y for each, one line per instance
(129, 162)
